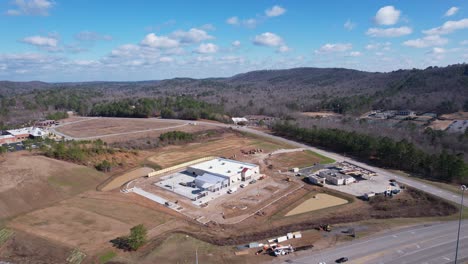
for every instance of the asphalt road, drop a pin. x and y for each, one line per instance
(428, 244)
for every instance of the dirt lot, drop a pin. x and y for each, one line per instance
(30, 181)
(440, 124)
(128, 176)
(319, 201)
(231, 144)
(457, 115)
(123, 129)
(319, 114)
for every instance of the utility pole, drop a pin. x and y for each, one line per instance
(463, 188)
(196, 256)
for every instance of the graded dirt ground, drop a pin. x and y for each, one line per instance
(123, 129)
(29, 181)
(319, 201)
(227, 146)
(319, 114)
(457, 115)
(440, 124)
(128, 176)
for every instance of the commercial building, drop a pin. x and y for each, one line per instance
(209, 182)
(336, 178)
(316, 180)
(21, 134)
(230, 170)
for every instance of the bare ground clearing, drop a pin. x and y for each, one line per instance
(319, 201)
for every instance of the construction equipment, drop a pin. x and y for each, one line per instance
(325, 227)
(283, 250)
(288, 179)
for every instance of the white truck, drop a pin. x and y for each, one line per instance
(232, 190)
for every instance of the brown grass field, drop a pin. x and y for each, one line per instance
(457, 115)
(128, 176)
(123, 129)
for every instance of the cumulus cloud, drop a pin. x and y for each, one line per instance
(334, 47)
(41, 41)
(428, 41)
(452, 11)
(194, 35)
(389, 32)
(30, 7)
(275, 11)
(233, 20)
(387, 15)
(207, 48)
(268, 39)
(204, 58)
(448, 27)
(283, 49)
(349, 25)
(236, 43)
(166, 59)
(160, 42)
(464, 42)
(91, 36)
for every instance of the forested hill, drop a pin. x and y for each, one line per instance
(273, 92)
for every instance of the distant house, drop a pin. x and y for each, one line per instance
(256, 119)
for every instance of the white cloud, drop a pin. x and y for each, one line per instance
(160, 42)
(91, 36)
(236, 43)
(387, 15)
(379, 46)
(437, 50)
(31, 7)
(334, 47)
(125, 50)
(41, 41)
(231, 59)
(428, 41)
(355, 53)
(275, 11)
(283, 49)
(389, 32)
(452, 11)
(464, 42)
(268, 39)
(208, 27)
(349, 25)
(194, 35)
(448, 27)
(207, 48)
(233, 20)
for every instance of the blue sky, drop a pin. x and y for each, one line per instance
(78, 40)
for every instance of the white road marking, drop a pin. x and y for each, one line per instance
(445, 258)
(395, 236)
(418, 246)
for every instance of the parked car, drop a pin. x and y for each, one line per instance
(253, 181)
(243, 185)
(342, 260)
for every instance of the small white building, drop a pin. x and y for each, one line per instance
(239, 120)
(316, 180)
(336, 178)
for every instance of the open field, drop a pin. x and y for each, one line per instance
(320, 201)
(300, 159)
(229, 145)
(457, 115)
(89, 221)
(319, 114)
(29, 181)
(123, 129)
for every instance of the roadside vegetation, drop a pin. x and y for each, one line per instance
(136, 239)
(383, 151)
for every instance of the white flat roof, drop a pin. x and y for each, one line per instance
(6, 136)
(19, 131)
(225, 167)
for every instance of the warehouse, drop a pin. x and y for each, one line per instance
(212, 183)
(231, 170)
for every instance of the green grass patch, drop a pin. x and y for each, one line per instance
(5, 234)
(324, 159)
(106, 257)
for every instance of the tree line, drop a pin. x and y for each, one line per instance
(180, 107)
(383, 151)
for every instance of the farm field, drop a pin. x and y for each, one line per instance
(229, 145)
(320, 201)
(123, 129)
